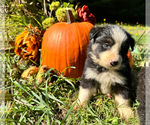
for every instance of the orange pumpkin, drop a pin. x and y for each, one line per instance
(65, 44)
(129, 55)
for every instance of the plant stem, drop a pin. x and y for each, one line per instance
(70, 17)
(45, 10)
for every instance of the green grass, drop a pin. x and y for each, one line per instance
(51, 102)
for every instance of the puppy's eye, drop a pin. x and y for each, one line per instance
(106, 46)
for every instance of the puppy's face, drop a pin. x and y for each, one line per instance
(109, 45)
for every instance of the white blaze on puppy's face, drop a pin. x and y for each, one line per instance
(118, 34)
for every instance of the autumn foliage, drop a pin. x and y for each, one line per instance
(84, 15)
(27, 44)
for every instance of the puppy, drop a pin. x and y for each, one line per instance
(107, 68)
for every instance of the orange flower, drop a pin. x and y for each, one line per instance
(30, 26)
(27, 44)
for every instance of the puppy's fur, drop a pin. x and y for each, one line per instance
(107, 67)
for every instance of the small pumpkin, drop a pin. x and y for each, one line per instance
(29, 72)
(43, 69)
(129, 55)
(64, 44)
(27, 44)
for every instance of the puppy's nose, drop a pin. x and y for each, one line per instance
(114, 63)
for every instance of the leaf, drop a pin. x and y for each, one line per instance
(48, 119)
(115, 121)
(46, 91)
(68, 113)
(36, 101)
(65, 4)
(41, 107)
(48, 72)
(38, 97)
(67, 80)
(16, 83)
(41, 118)
(67, 68)
(136, 50)
(37, 21)
(71, 6)
(53, 97)
(93, 114)
(22, 116)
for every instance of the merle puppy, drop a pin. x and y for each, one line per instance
(107, 68)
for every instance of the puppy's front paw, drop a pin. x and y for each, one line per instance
(79, 105)
(125, 113)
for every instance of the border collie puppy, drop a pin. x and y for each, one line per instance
(107, 68)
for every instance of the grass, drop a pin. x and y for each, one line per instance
(51, 102)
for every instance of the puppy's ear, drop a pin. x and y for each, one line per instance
(93, 32)
(131, 42)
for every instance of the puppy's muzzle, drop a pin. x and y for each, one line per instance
(115, 63)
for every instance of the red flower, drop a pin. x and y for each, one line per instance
(92, 19)
(85, 9)
(85, 15)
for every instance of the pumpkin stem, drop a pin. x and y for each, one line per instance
(70, 17)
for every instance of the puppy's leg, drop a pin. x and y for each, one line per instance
(84, 96)
(124, 107)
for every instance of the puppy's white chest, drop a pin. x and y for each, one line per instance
(105, 79)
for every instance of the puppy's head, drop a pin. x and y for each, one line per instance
(109, 45)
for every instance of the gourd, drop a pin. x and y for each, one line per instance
(65, 44)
